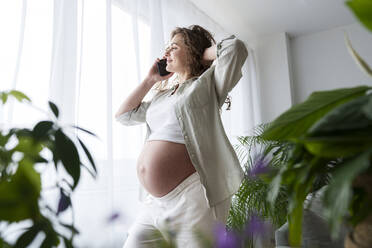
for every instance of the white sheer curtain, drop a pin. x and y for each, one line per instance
(87, 56)
(26, 36)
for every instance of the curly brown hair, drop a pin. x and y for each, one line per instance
(196, 40)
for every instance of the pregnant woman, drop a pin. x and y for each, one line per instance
(188, 168)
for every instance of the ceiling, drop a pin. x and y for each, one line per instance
(252, 18)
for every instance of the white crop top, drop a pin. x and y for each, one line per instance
(163, 122)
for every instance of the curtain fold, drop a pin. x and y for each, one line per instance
(158, 38)
(62, 84)
(245, 111)
(6, 114)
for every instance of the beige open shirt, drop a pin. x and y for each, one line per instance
(197, 109)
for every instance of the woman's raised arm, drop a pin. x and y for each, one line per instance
(231, 54)
(136, 97)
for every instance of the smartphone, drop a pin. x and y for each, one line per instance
(162, 64)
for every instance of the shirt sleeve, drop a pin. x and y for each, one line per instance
(231, 55)
(135, 116)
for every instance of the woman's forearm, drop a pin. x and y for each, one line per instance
(135, 98)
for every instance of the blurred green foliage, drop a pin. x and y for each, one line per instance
(21, 157)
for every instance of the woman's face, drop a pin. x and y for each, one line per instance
(176, 55)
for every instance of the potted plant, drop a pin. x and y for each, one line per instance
(21, 164)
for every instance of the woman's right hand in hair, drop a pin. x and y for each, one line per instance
(153, 75)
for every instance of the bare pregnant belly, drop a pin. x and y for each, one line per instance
(162, 165)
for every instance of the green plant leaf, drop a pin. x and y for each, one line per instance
(4, 244)
(5, 160)
(298, 119)
(346, 117)
(68, 243)
(338, 195)
(68, 183)
(51, 236)
(359, 61)
(88, 155)
(67, 152)
(27, 237)
(339, 147)
(92, 173)
(361, 204)
(296, 204)
(4, 97)
(362, 10)
(19, 95)
(50, 241)
(40, 159)
(19, 196)
(41, 130)
(367, 109)
(295, 225)
(28, 146)
(274, 188)
(342, 132)
(71, 228)
(84, 130)
(4, 138)
(54, 108)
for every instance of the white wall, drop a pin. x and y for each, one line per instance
(321, 60)
(274, 75)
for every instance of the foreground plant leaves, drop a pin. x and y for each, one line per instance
(362, 10)
(339, 193)
(15, 93)
(360, 62)
(343, 132)
(294, 123)
(19, 196)
(67, 152)
(20, 183)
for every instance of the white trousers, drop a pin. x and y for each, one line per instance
(182, 211)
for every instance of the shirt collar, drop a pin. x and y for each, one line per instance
(191, 79)
(187, 81)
